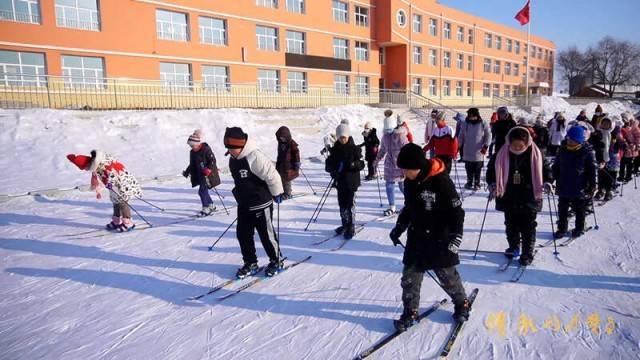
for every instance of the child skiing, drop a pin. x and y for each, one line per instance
(434, 218)
(474, 140)
(443, 142)
(371, 144)
(557, 133)
(392, 141)
(107, 171)
(601, 142)
(516, 177)
(574, 171)
(288, 162)
(257, 186)
(203, 171)
(344, 164)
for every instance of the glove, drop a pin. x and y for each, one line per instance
(454, 242)
(295, 165)
(185, 174)
(395, 234)
(109, 186)
(206, 171)
(548, 187)
(484, 150)
(492, 191)
(277, 199)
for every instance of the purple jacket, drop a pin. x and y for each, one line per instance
(390, 146)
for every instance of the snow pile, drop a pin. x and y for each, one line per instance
(551, 104)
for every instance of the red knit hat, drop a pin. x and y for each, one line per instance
(81, 161)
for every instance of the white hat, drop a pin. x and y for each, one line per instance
(343, 130)
(399, 120)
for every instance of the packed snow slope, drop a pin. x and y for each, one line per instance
(68, 293)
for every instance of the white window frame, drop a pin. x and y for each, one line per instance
(341, 13)
(97, 81)
(460, 61)
(32, 16)
(417, 55)
(486, 67)
(517, 47)
(216, 81)
(362, 85)
(459, 88)
(460, 34)
(296, 6)
(446, 87)
(498, 42)
(486, 90)
(509, 45)
(516, 69)
(417, 23)
(362, 15)
(446, 30)
(433, 57)
(433, 27)
(507, 68)
(267, 41)
(273, 4)
(362, 51)
(506, 91)
(470, 37)
(14, 74)
(341, 84)
(497, 65)
(469, 89)
(401, 18)
(298, 82)
(469, 63)
(296, 45)
(488, 40)
(74, 21)
(496, 90)
(446, 59)
(267, 82)
(416, 85)
(174, 79)
(433, 87)
(218, 36)
(341, 49)
(170, 30)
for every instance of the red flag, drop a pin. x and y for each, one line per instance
(523, 15)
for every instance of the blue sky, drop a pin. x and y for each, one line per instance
(566, 22)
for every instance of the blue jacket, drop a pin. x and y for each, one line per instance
(575, 171)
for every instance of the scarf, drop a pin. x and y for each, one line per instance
(502, 167)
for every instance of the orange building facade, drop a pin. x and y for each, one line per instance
(279, 46)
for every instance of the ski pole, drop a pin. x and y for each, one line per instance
(553, 230)
(308, 183)
(482, 227)
(147, 202)
(132, 208)
(222, 202)
(595, 219)
(324, 194)
(378, 181)
(322, 205)
(225, 231)
(635, 182)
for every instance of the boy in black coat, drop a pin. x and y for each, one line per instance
(203, 171)
(434, 218)
(288, 162)
(371, 144)
(344, 164)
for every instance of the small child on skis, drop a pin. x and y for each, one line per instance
(371, 145)
(203, 171)
(106, 170)
(344, 164)
(288, 161)
(474, 140)
(392, 141)
(601, 142)
(443, 142)
(434, 218)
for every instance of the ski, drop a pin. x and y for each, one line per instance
(518, 274)
(260, 279)
(505, 266)
(458, 327)
(572, 239)
(358, 228)
(221, 286)
(385, 340)
(345, 241)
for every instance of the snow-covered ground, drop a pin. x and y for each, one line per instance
(124, 296)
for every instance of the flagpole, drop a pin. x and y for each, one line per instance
(526, 82)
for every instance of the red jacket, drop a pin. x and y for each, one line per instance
(444, 143)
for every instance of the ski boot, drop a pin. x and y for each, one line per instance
(349, 232)
(608, 196)
(207, 210)
(390, 211)
(468, 185)
(477, 186)
(247, 270)
(407, 319)
(114, 224)
(340, 229)
(512, 252)
(461, 311)
(274, 267)
(577, 232)
(126, 225)
(559, 234)
(525, 260)
(599, 195)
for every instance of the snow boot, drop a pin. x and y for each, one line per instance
(577, 232)
(608, 196)
(247, 270)
(477, 186)
(390, 211)
(512, 252)
(114, 224)
(340, 230)
(525, 260)
(461, 311)
(468, 185)
(274, 267)
(599, 195)
(207, 210)
(126, 225)
(349, 232)
(559, 234)
(407, 319)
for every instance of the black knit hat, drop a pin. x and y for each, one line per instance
(411, 156)
(235, 138)
(473, 112)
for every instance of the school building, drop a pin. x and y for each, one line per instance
(259, 53)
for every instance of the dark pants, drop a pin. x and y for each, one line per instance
(411, 283)
(346, 201)
(626, 167)
(447, 160)
(474, 170)
(636, 165)
(203, 192)
(371, 169)
(248, 223)
(606, 179)
(552, 150)
(520, 226)
(578, 206)
(122, 210)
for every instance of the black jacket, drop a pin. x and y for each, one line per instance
(575, 171)
(542, 136)
(371, 143)
(519, 196)
(434, 217)
(198, 160)
(344, 164)
(288, 162)
(499, 131)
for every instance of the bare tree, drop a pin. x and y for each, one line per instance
(613, 63)
(572, 63)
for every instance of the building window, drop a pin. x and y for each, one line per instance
(486, 90)
(268, 3)
(433, 87)
(381, 56)
(417, 23)
(215, 77)
(517, 47)
(362, 16)
(268, 80)
(295, 42)
(341, 84)
(460, 62)
(446, 59)
(460, 34)
(340, 48)
(470, 63)
(362, 85)
(487, 65)
(416, 85)
(296, 6)
(447, 30)
(297, 81)
(78, 14)
(532, 72)
(22, 69)
(496, 90)
(507, 91)
(509, 45)
(516, 69)
(362, 51)
(488, 40)
(433, 27)
(171, 25)
(83, 71)
(469, 89)
(499, 42)
(213, 31)
(267, 38)
(496, 66)
(533, 51)
(470, 37)
(433, 57)
(446, 88)
(340, 11)
(175, 75)
(24, 11)
(417, 55)
(507, 68)
(401, 18)
(514, 91)
(540, 53)
(458, 88)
